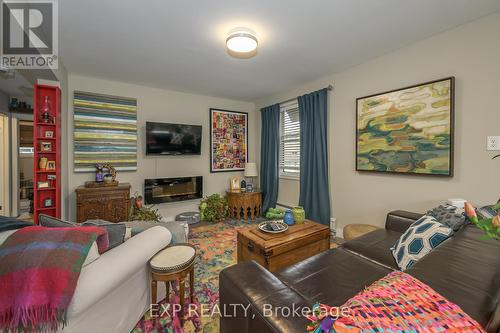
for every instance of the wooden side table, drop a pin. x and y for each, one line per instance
(171, 264)
(244, 205)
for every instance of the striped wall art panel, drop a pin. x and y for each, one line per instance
(105, 131)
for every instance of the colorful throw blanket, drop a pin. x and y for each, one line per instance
(39, 269)
(396, 303)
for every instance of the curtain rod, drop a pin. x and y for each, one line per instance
(329, 87)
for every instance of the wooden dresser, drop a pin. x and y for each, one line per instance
(107, 203)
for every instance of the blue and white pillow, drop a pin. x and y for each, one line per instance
(421, 238)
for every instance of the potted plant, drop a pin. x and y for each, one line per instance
(141, 212)
(213, 208)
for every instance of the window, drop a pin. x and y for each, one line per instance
(289, 140)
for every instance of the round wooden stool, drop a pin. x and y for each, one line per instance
(171, 264)
(352, 231)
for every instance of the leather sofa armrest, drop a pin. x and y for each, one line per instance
(250, 286)
(400, 220)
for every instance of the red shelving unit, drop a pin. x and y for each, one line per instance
(47, 123)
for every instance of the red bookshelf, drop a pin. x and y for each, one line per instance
(47, 148)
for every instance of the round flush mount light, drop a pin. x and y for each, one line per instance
(242, 43)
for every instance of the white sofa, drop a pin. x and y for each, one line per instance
(113, 291)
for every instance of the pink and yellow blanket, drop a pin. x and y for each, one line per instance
(396, 303)
(39, 269)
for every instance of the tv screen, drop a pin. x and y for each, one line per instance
(172, 139)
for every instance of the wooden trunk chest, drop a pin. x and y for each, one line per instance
(107, 203)
(276, 251)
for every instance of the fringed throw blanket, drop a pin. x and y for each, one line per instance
(39, 269)
(395, 303)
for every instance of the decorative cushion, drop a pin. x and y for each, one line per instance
(421, 238)
(449, 215)
(173, 258)
(116, 231)
(54, 222)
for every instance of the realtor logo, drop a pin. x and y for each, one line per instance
(29, 37)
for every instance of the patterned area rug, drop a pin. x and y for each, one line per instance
(216, 249)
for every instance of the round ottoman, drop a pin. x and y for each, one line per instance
(352, 231)
(171, 264)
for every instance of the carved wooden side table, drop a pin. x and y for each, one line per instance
(244, 205)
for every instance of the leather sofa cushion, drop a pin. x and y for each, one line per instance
(466, 270)
(376, 246)
(331, 277)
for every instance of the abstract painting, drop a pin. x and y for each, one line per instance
(228, 140)
(409, 130)
(105, 131)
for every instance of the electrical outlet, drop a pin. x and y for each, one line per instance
(493, 143)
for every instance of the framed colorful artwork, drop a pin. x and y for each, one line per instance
(228, 140)
(408, 130)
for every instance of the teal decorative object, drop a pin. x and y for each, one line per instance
(288, 218)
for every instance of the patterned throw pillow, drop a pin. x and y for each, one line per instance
(421, 238)
(449, 215)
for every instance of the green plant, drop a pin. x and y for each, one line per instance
(490, 226)
(275, 213)
(213, 208)
(141, 212)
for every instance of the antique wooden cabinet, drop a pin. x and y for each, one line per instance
(107, 203)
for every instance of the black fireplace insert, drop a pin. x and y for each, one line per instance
(162, 190)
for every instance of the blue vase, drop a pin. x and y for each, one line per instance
(288, 218)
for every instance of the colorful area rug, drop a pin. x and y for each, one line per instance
(216, 250)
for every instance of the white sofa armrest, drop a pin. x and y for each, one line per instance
(112, 268)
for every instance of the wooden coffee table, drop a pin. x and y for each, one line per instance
(276, 251)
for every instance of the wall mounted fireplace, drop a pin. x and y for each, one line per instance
(162, 190)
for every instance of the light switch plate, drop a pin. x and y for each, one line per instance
(493, 143)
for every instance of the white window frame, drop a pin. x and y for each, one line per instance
(287, 107)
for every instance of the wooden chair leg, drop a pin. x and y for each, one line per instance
(153, 291)
(182, 285)
(167, 288)
(191, 285)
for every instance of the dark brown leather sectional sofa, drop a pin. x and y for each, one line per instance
(465, 269)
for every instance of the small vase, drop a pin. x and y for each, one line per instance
(288, 218)
(42, 164)
(46, 109)
(299, 214)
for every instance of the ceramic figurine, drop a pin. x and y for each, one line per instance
(42, 164)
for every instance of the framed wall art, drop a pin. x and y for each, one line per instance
(105, 131)
(408, 130)
(228, 140)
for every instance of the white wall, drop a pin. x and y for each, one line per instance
(471, 53)
(161, 106)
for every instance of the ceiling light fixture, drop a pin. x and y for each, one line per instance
(242, 43)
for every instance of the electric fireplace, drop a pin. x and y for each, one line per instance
(162, 190)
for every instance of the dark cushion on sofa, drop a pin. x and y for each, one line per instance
(331, 277)
(466, 270)
(116, 231)
(376, 246)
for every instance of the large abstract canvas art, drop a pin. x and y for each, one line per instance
(228, 140)
(105, 131)
(409, 130)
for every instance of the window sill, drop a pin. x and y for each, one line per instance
(290, 178)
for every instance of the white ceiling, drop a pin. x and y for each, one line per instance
(180, 45)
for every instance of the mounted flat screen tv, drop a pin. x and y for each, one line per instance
(172, 139)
